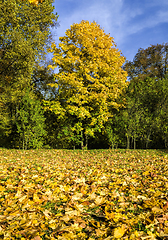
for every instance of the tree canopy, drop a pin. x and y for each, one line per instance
(24, 37)
(149, 62)
(90, 77)
(147, 95)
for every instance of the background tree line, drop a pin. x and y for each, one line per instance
(94, 98)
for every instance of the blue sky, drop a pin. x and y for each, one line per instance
(133, 24)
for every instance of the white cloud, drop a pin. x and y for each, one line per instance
(146, 19)
(120, 18)
(92, 10)
(163, 16)
(109, 14)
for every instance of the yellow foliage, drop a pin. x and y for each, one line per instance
(35, 2)
(119, 232)
(90, 77)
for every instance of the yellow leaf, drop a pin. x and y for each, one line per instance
(2, 188)
(119, 232)
(35, 2)
(53, 225)
(22, 199)
(157, 210)
(36, 198)
(99, 200)
(66, 218)
(145, 173)
(35, 221)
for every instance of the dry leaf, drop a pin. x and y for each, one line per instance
(119, 232)
(37, 238)
(157, 210)
(99, 200)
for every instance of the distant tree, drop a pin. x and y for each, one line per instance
(112, 132)
(150, 62)
(146, 109)
(90, 77)
(148, 76)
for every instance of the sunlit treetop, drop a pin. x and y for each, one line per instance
(34, 2)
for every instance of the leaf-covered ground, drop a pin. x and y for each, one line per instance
(98, 194)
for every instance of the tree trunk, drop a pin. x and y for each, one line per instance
(27, 140)
(128, 142)
(165, 141)
(134, 143)
(81, 140)
(86, 146)
(23, 142)
(148, 139)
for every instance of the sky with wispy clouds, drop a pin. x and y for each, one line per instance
(133, 24)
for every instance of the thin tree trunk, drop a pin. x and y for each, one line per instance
(165, 141)
(86, 141)
(128, 142)
(23, 142)
(148, 139)
(27, 139)
(81, 140)
(134, 143)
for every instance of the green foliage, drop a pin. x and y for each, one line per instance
(147, 95)
(146, 109)
(30, 122)
(112, 130)
(24, 38)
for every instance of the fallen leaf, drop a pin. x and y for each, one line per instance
(37, 238)
(119, 232)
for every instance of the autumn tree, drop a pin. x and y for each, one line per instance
(90, 77)
(25, 31)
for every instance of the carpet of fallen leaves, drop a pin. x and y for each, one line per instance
(96, 194)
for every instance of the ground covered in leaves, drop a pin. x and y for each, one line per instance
(96, 194)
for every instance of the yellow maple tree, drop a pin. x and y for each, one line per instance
(90, 77)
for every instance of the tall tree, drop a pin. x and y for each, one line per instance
(90, 77)
(24, 37)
